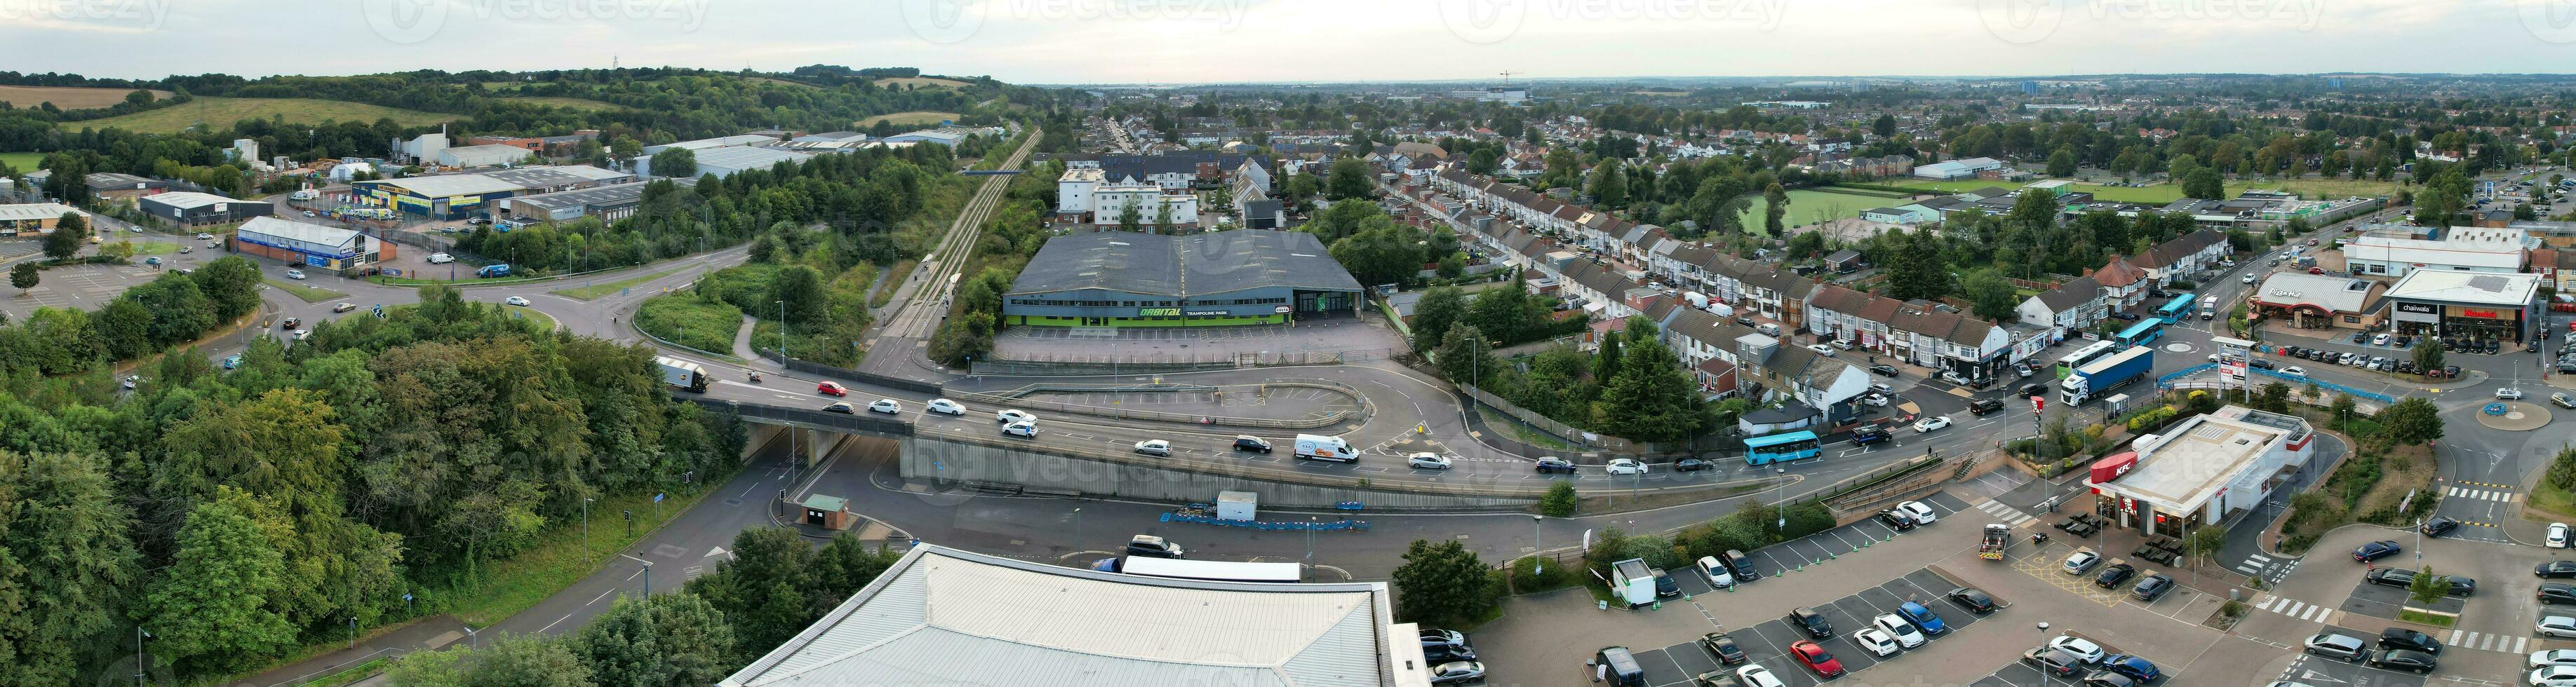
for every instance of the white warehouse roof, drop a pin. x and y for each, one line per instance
(298, 231)
(2472, 288)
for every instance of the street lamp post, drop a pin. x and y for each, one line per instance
(1077, 529)
(2043, 641)
(1310, 538)
(782, 333)
(1538, 552)
(585, 527)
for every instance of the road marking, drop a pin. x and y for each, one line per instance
(2010, 515)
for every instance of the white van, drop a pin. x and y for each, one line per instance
(1769, 329)
(1321, 447)
(441, 258)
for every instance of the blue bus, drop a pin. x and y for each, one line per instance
(1786, 446)
(2177, 309)
(2146, 331)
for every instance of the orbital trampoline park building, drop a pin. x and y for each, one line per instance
(1129, 279)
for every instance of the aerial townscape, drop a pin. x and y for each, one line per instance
(1120, 343)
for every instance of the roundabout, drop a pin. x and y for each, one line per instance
(2513, 416)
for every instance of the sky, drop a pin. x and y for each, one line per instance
(1196, 41)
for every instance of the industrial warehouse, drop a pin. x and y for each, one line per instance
(310, 245)
(453, 196)
(1127, 279)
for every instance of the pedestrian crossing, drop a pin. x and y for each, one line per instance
(2294, 608)
(2487, 642)
(2003, 513)
(2260, 566)
(2481, 494)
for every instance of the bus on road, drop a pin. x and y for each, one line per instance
(2177, 309)
(1783, 447)
(2145, 332)
(2067, 365)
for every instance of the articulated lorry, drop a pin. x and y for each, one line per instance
(682, 374)
(2107, 373)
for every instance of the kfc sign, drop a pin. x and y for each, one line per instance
(2112, 468)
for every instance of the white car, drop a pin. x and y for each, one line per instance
(131, 380)
(2081, 561)
(2557, 535)
(2249, 279)
(302, 334)
(1921, 514)
(1873, 400)
(2509, 393)
(1427, 460)
(1719, 577)
(1625, 466)
(1754, 675)
(2379, 340)
(942, 405)
(1933, 423)
(1821, 349)
(295, 274)
(1014, 415)
(887, 406)
(441, 258)
(203, 236)
(1021, 429)
(2295, 371)
(1154, 447)
(2557, 626)
(2554, 676)
(1883, 389)
(1896, 627)
(2082, 648)
(516, 300)
(1876, 643)
(2552, 657)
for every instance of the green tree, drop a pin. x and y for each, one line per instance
(232, 284)
(1560, 501)
(1441, 584)
(1131, 217)
(2061, 164)
(2205, 542)
(69, 234)
(2203, 183)
(2428, 587)
(125, 326)
(1348, 179)
(665, 639)
(1440, 307)
(66, 565)
(2428, 356)
(2342, 406)
(767, 591)
(210, 610)
(801, 289)
(2562, 469)
(1606, 360)
(1884, 126)
(1483, 162)
(448, 668)
(1650, 399)
(1609, 184)
(2275, 397)
(2443, 198)
(1775, 206)
(678, 163)
(1989, 295)
(512, 660)
(1464, 354)
(2410, 422)
(23, 275)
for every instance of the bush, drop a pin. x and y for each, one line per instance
(1560, 501)
(1807, 518)
(1526, 580)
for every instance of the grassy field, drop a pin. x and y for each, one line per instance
(683, 319)
(597, 290)
(68, 97)
(310, 294)
(2166, 193)
(23, 162)
(155, 248)
(1807, 206)
(920, 82)
(908, 118)
(571, 103)
(225, 111)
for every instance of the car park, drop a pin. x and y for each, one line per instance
(1811, 622)
(1427, 460)
(1876, 642)
(842, 407)
(887, 406)
(2374, 551)
(1625, 466)
(2337, 646)
(1722, 646)
(1975, 600)
(1896, 628)
(1553, 464)
(831, 389)
(944, 406)
(2151, 587)
(1931, 424)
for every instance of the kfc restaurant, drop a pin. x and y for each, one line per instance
(2200, 471)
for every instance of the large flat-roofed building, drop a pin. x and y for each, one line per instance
(718, 142)
(2200, 470)
(608, 203)
(188, 208)
(2396, 251)
(941, 616)
(34, 218)
(481, 156)
(1128, 279)
(2475, 306)
(445, 196)
(725, 161)
(310, 245)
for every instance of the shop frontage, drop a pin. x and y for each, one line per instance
(2466, 306)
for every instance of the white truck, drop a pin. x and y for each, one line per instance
(1320, 447)
(1633, 582)
(682, 374)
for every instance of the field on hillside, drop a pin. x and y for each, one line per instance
(225, 111)
(920, 82)
(1811, 206)
(570, 103)
(23, 162)
(908, 119)
(68, 97)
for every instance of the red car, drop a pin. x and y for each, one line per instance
(831, 389)
(1814, 656)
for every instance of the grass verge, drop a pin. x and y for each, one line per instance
(1525, 433)
(2410, 615)
(363, 670)
(310, 294)
(683, 319)
(2548, 503)
(514, 585)
(894, 279)
(529, 314)
(597, 290)
(155, 248)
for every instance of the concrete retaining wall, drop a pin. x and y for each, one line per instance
(948, 464)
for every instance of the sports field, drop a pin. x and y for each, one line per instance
(1809, 206)
(2162, 193)
(23, 162)
(222, 112)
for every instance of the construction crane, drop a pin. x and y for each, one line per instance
(1507, 76)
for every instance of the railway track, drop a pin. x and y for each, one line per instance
(938, 274)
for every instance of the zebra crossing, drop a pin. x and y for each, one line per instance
(2487, 642)
(2262, 566)
(2481, 494)
(2003, 513)
(2295, 608)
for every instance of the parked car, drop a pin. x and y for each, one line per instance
(1922, 617)
(1877, 643)
(2132, 667)
(2081, 561)
(2083, 649)
(1811, 622)
(1715, 572)
(2114, 574)
(2331, 645)
(1456, 672)
(1896, 628)
(1757, 676)
(2401, 659)
(1970, 598)
(1722, 646)
(2152, 586)
(1922, 514)
(1815, 658)
(2557, 626)
(2557, 536)
(1151, 546)
(2553, 593)
(2374, 551)
(2402, 638)
(2053, 661)
(1896, 520)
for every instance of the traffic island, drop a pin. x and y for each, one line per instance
(2515, 416)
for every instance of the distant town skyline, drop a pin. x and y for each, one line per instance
(1201, 41)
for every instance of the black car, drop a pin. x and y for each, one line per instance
(2555, 593)
(1883, 370)
(2374, 551)
(2450, 372)
(1693, 465)
(1437, 654)
(1972, 600)
(2492, 347)
(1547, 465)
(1812, 622)
(2029, 390)
(2114, 574)
(2401, 577)
(1895, 519)
(1722, 645)
(2554, 569)
(1985, 406)
(2125, 316)
(2439, 526)
(2260, 364)
(2401, 659)
(1868, 435)
(2155, 585)
(1254, 444)
(2359, 339)
(2410, 640)
(2105, 678)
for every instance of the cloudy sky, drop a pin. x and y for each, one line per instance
(1175, 41)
